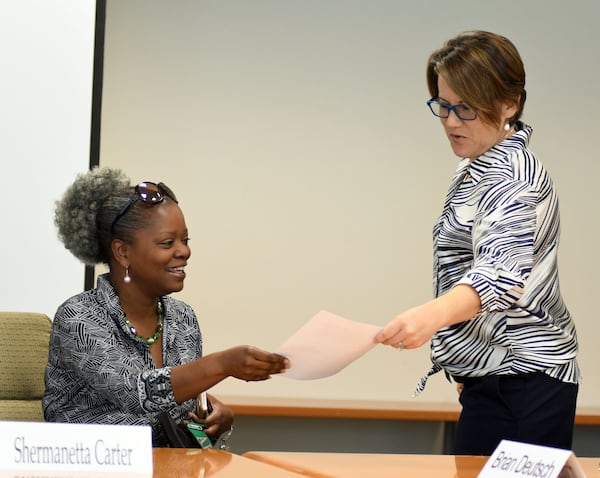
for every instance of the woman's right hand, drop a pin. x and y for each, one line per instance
(252, 364)
(243, 362)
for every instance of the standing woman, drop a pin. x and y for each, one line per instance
(125, 351)
(498, 325)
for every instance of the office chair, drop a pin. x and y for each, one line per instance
(24, 338)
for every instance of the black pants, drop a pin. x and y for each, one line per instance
(532, 408)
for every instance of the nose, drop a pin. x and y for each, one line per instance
(183, 250)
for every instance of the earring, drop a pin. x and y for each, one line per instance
(507, 126)
(127, 279)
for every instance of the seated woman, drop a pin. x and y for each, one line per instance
(125, 351)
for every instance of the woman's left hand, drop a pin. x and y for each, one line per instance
(416, 326)
(218, 421)
(412, 328)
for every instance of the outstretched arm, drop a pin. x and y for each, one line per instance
(416, 326)
(243, 362)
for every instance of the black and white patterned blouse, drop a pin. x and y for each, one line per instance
(98, 371)
(499, 232)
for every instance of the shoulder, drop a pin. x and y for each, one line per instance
(84, 308)
(518, 162)
(79, 321)
(512, 171)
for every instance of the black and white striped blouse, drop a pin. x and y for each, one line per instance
(499, 233)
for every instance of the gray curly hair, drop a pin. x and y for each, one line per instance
(84, 214)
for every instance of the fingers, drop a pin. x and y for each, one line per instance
(193, 416)
(393, 336)
(219, 420)
(256, 364)
(402, 333)
(383, 335)
(210, 429)
(276, 363)
(282, 362)
(396, 341)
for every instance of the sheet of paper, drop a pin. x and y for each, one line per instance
(325, 345)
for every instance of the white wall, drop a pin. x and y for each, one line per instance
(46, 89)
(295, 133)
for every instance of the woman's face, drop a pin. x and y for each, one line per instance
(470, 139)
(160, 251)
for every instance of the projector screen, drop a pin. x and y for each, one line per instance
(295, 134)
(47, 51)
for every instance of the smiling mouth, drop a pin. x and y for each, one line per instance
(177, 270)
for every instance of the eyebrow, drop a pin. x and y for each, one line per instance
(444, 100)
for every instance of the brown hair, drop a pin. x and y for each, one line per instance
(484, 69)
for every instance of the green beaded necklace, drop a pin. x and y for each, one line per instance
(159, 326)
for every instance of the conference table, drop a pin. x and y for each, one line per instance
(351, 465)
(197, 463)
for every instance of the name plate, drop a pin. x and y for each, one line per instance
(65, 449)
(522, 460)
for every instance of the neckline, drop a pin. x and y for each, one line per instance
(159, 326)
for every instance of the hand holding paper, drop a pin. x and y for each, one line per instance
(325, 345)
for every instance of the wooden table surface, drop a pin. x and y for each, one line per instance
(354, 465)
(197, 463)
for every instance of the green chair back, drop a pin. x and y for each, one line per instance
(24, 338)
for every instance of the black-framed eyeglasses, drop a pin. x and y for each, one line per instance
(442, 110)
(148, 192)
